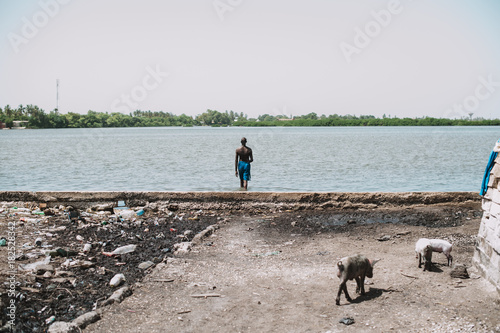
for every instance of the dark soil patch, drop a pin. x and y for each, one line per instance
(311, 222)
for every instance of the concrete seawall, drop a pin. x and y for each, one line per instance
(236, 200)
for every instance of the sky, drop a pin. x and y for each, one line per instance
(399, 58)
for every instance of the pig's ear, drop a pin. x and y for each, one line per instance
(374, 261)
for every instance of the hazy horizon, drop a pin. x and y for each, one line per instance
(403, 58)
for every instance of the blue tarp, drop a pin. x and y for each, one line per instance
(489, 166)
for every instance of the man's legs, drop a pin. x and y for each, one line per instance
(243, 175)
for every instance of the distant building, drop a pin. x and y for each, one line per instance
(2, 125)
(19, 124)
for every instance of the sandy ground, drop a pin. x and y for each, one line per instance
(276, 273)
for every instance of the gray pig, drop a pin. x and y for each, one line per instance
(355, 267)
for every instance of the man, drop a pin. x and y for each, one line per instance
(242, 163)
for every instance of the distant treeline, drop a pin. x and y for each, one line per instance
(38, 118)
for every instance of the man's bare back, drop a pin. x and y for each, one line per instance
(244, 153)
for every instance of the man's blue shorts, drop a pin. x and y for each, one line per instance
(244, 170)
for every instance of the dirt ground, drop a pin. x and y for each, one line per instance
(275, 272)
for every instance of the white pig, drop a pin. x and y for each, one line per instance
(423, 249)
(440, 245)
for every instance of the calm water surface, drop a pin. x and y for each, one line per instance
(345, 159)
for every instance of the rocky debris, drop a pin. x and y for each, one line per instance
(183, 247)
(118, 296)
(146, 264)
(207, 232)
(86, 319)
(63, 327)
(62, 262)
(40, 269)
(459, 272)
(117, 280)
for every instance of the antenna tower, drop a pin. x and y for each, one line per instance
(57, 95)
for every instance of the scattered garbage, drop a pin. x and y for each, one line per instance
(273, 253)
(73, 214)
(32, 266)
(120, 208)
(87, 247)
(127, 214)
(62, 253)
(58, 259)
(37, 212)
(347, 321)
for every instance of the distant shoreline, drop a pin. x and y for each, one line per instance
(36, 118)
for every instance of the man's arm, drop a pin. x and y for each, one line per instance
(236, 165)
(250, 156)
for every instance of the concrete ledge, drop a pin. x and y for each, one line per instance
(202, 199)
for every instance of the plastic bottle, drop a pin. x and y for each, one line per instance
(128, 214)
(122, 250)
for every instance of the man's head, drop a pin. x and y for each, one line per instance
(243, 141)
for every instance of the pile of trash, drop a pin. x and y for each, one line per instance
(68, 261)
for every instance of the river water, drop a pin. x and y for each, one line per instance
(286, 159)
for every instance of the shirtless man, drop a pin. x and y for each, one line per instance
(242, 163)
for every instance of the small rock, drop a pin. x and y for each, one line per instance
(146, 264)
(117, 280)
(384, 238)
(85, 319)
(173, 207)
(64, 273)
(87, 264)
(118, 296)
(42, 268)
(183, 247)
(63, 327)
